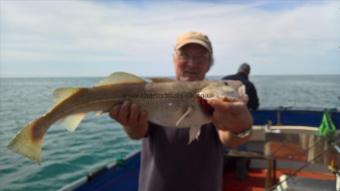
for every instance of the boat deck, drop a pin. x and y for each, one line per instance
(123, 176)
(257, 177)
(283, 134)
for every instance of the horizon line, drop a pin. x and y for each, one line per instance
(4, 77)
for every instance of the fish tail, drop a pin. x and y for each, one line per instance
(28, 140)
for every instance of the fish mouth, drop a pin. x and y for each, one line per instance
(206, 108)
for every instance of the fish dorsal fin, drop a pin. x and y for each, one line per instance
(161, 79)
(61, 94)
(186, 113)
(72, 122)
(121, 78)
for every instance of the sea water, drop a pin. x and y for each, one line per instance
(100, 140)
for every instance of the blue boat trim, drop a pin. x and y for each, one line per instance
(115, 176)
(294, 116)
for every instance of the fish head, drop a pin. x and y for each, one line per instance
(230, 90)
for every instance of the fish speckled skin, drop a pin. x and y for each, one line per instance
(168, 103)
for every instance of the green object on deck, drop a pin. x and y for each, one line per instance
(327, 127)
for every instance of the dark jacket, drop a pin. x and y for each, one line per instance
(253, 102)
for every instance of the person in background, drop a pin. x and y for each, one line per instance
(253, 104)
(243, 76)
(168, 162)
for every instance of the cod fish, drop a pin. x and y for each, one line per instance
(168, 102)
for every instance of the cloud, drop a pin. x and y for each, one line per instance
(101, 37)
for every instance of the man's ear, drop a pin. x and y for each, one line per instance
(211, 63)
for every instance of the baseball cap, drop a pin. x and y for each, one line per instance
(194, 38)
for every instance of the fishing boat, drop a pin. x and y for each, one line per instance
(291, 149)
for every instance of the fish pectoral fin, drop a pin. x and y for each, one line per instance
(61, 94)
(72, 122)
(186, 113)
(194, 133)
(121, 78)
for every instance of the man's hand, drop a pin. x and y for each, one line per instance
(230, 117)
(134, 121)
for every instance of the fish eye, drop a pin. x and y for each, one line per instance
(225, 83)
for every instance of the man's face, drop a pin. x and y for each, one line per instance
(191, 62)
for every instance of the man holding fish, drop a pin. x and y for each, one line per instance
(183, 123)
(171, 161)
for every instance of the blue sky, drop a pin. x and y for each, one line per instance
(96, 38)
